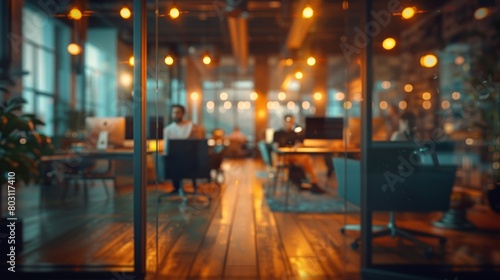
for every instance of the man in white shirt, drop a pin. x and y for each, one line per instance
(180, 129)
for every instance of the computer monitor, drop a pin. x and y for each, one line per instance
(324, 128)
(115, 126)
(129, 128)
(322, 132)
(151, 128)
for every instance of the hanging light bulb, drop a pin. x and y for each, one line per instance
(308, 12)
(75, 13)
(125, 12)
(206, 59)
(311, 61)
(174, 12)
(408, 12)
(299, 75)
(131, 61)
(169, 60)
(74, 49)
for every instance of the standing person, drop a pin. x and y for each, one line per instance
(406, 131)
(289, 137)
(180, 129)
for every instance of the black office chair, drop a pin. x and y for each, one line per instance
(188, 159)
(424, 189)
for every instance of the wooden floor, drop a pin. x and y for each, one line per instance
(235, 235)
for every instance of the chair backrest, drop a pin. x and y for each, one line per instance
(264, 152)
(415, 189)
(398, 181)
(187, 158)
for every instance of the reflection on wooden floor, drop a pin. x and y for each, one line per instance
(235, 236)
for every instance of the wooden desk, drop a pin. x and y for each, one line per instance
(68, 161)
(314, 150)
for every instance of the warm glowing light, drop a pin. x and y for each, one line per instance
(169, 60)
(261, 113)
(459, 60)
(311, 61)
(125, 12)
(227, 105)
(22, 141)
(75, 13)
(383, 105)
(426, 95)
(389, 43)
(481, 13)
(131, 61)
(74, 49)
(428, 60)
(194, 95)
(126, 79)
(206, 59)
(241, 105)
(403, 105)
(299, 75)
(339, 96)
(318, 96)
(174, 12)
(210, 105)
(306, 105)
(426, 105)
(408, 12)
(281, 95)
(408, 87)
(289, 62)
(385, 84)
(248, 105)
(290, 105)
(254, 96)
(223, 95)
(269, 105)
(347, 105)
(308, 12)
(469, 141)
(455, 95)
(445, 104)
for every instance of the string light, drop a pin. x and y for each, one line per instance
(75, 14)
(74, 49)
(125, 13)
(307, 12)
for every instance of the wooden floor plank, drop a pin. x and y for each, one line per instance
(270, 251)
(209, 261)
(241, 254)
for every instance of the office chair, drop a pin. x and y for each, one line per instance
(88, 170)
(410, 195)
(275, 170)
(188, 159)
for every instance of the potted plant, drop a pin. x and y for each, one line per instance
(21, 148)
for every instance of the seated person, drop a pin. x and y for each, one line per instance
(237, 142)
(180, 129)
(406, 130)
(288, 137)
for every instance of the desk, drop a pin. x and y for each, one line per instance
(68, 161)
(303, 150)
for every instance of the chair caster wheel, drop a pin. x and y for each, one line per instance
(342, 230)
(354, 245)
(428, 253)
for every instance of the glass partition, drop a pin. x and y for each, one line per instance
(77, 83)
(433, 178)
